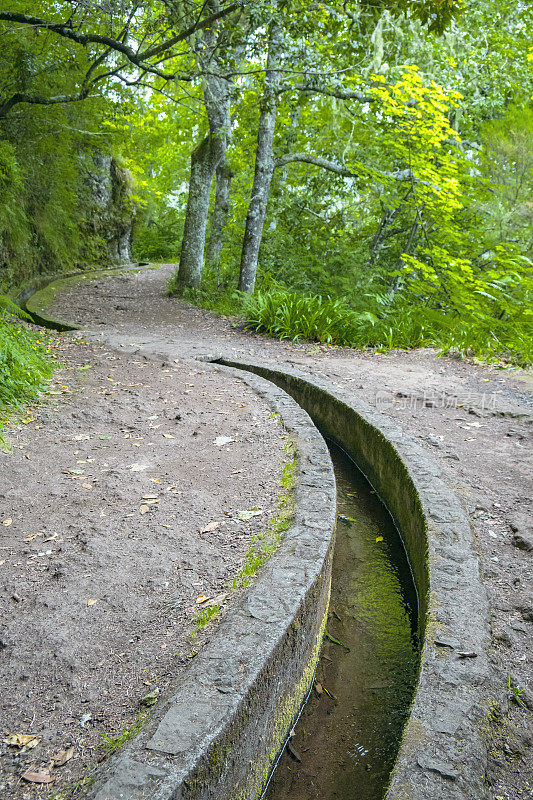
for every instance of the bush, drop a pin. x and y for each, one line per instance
(25, 365)
(398, 324)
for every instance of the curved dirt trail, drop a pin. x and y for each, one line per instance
(475, 420)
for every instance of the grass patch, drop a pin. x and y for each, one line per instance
(266, 542)
(203, 616)
(113, 743)
(25, 365)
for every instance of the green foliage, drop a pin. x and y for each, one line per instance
(25, 365)
(8, 307)
(113, 743)
(514, 692)
(204, 615)
(285, 315)
(401, 324)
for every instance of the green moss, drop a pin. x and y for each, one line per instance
(267, 542)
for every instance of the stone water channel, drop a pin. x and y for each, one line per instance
(345, 743)
(370, 684)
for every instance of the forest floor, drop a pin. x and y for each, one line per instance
(64, 659)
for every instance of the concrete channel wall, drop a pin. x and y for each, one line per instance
(444, 752)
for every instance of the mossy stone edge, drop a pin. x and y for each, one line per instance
(443, 753)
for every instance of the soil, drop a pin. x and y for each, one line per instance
(105, 508)
(474, 419)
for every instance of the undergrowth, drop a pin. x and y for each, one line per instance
(286, 315)
(25, 365)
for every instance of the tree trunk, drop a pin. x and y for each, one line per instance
(220, 214)
(204, 161)
(203, 165)
(264, 165)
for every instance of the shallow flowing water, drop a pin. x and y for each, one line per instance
(346, 740)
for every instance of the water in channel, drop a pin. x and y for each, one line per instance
(346, 740)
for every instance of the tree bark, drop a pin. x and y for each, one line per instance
(264, 164)
(203, 165)
(204, 161)
(220, 214)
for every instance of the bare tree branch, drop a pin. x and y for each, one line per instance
(40, 100)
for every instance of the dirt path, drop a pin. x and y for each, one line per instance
(119, 507)
(475, 420)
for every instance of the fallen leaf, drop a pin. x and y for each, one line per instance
(318, 689)
(168, 436)
(8, 521)
(212, 526)
(379, 538)
(91, 602)
(87, 486)
(237, 471)
(151, 502)
(150, 496)
(26, 740)
(144, 509)
(2, 562)
(150, 699)
(50, 538)
(203, 598)
(220, 441)
(62, 757)
(37, 777)
(249, 514)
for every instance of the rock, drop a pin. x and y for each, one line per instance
(522, 523)
(523, 541)
(527, 612)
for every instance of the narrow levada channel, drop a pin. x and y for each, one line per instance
(346, 740)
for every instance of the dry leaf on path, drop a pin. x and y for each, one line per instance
(212, 526)
(220, 441)
(203, 598)
(37, 777)
(91, 602)
(8, 521)
(25, 740)
(62, 757)
(87, 486)
(144, 509)
(245, 515)
(379, 538)
(168, 436)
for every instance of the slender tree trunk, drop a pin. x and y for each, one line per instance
(264, 165)
(220, 214)
(204, 161)
(203, 165)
